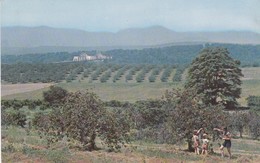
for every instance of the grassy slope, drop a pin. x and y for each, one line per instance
(251, 83)
(249, 87)
(109, 91)
(18, 146)
(29, 148)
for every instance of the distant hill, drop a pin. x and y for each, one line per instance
(46, 39)
(249, 55)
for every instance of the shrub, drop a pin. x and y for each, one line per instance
(254, 124)
(152, 78)
(13, 117)
(55, 95)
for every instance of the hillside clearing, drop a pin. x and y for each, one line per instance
(9, 89)
(251, 73)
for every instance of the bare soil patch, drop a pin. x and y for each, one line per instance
(251, 73)
(9, 89)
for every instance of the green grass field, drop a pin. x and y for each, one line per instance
(108, 91)
(249, 88)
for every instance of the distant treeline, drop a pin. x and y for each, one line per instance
(33, 72)
(249, 55)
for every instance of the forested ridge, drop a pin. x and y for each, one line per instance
(249, 55)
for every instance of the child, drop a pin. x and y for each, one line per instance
(205, 144)
(196, 141)
(227, 140)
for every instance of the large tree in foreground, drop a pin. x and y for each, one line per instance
(83, 117)
(216, 77)
(186, 114)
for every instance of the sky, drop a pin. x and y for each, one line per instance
(115, 15)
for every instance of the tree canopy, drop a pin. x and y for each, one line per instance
(82, 117)
(216, 77)
(186, 114)
(55, 95)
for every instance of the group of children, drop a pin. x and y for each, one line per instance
(198, 134)
(205, 141)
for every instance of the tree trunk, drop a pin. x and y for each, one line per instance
(240, 134)
(190, 146)
(91, 145)
(92, 141)
(88, 142)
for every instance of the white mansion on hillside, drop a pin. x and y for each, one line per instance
(86, 57)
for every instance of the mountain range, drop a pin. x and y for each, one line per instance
(53, 38)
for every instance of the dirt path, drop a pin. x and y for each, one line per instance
(9, 89)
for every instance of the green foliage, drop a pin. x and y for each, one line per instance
(253, 102)
(116, 103)
(254, 123)
(186, 114)
(146, 119)
(86, 73)
(120, 73)
(13, 117)
(216, 77)
(151, 113)
(114, 129)
(82, 117)
(166, 74)
(17, 112)
(49, 125)
(81, 112)
(177, 54)
(72, 76)
(98, 72)
(93, 71)
(152, 78)
(105, 76)
(79, 70)
(9, 148)
(55, 95)
(132, 72)
(141, 75)
(154, 73)
(178, 74)
(18, 104)
(28, 72)
(239, 121)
